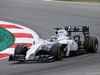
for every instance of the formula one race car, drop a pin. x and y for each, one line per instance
(61, 45)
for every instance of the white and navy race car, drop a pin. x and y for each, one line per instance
(61, 45)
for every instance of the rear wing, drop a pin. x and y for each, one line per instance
(84, 29)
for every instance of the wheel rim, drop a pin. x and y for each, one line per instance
(60, 52)
(95, 45)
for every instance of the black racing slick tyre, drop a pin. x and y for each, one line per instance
(57, 51)
(21, 49)
(91, 44)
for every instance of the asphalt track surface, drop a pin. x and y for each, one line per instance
(42, 17)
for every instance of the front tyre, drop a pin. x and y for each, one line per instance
(57, 51)
(20, 53)
(91, 44)
(21, 49)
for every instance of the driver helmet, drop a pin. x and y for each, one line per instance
(53, 39)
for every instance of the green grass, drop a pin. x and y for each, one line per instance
(81, 0)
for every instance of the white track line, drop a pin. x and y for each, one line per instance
(8, 50)
(24, 40)
(69, 2)
(18, 30)
(3, 58)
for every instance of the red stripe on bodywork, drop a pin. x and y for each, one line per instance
(2, 55)
(10, 26)
(15, 44)
(22, 35)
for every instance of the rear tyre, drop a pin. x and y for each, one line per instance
(91, 44)
(21, 49)
(57, 51)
